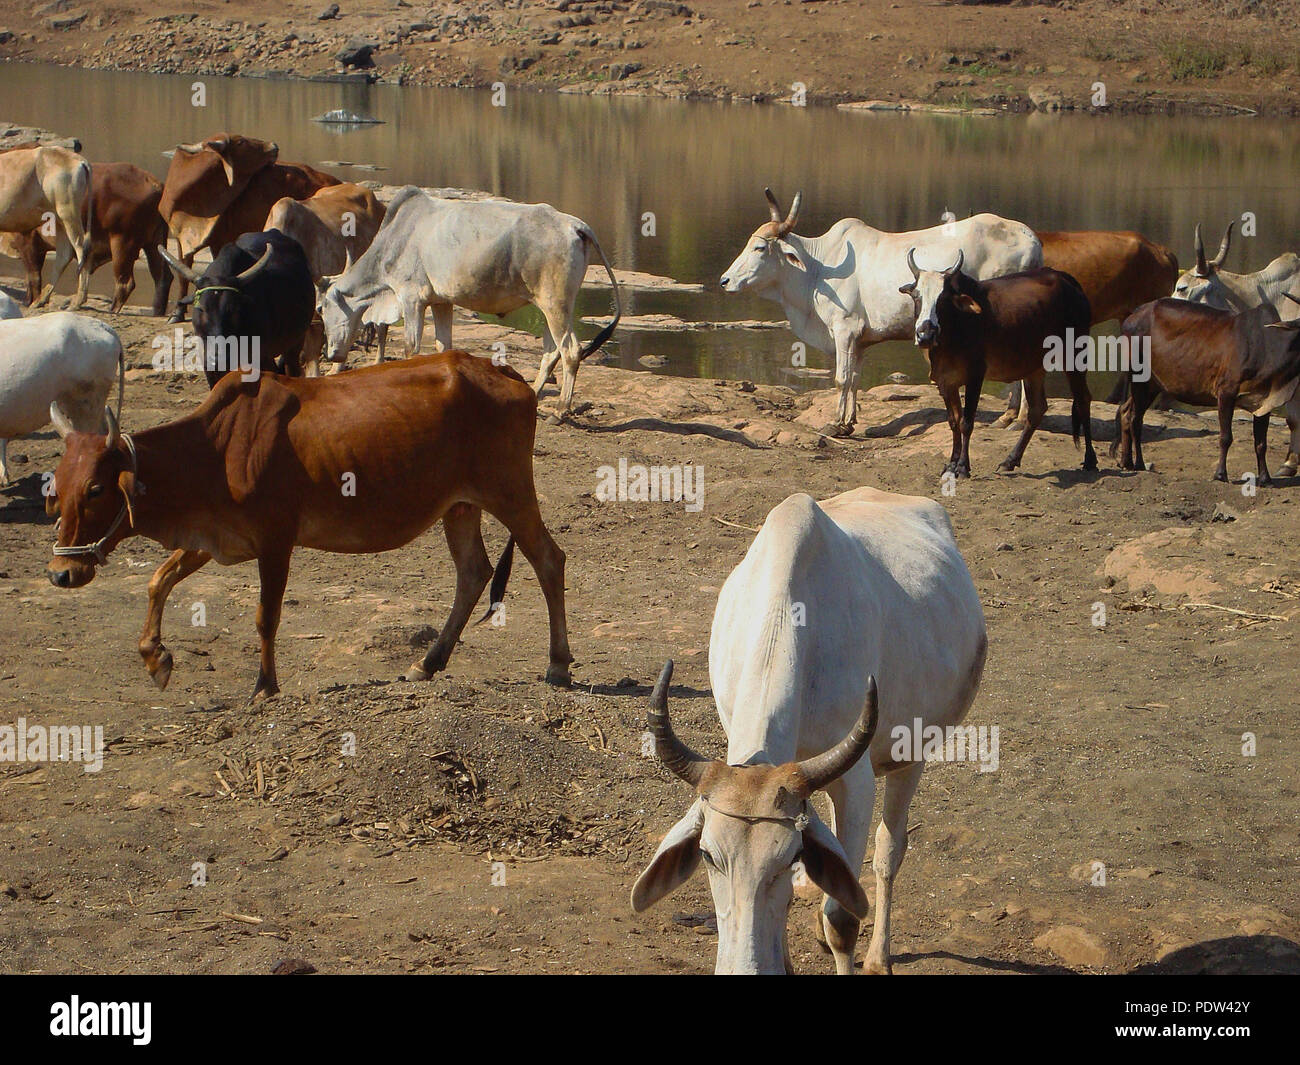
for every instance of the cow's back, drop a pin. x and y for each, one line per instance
(868, 582)
(1119, 271)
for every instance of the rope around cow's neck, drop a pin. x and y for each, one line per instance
(97, 548)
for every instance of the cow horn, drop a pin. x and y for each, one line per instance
(793, 216)
(911, 264)
(955, 268)
(178, 268)
(1293, 299)
(256, 268)
(60, 421)
(774, 208)
(217, 144)
(679, 759)
(1202, 267)
(1224, 245)
(820, 770)
(190, 149)
(110, 420)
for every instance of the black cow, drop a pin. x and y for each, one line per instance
(253, 305)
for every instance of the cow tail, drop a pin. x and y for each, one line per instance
(588, 236)
(1113, 450)
(500, 575)
(90, 214)
(121, 377)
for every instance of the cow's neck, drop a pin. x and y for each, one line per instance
(795, 292)
(175, 471)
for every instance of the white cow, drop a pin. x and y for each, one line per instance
(489, 256)
(1277, 284)
(57, 367)
(831, 599)
(840, 292)
(9, 307)
(45, 186)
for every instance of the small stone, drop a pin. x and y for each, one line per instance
(332, 11)
(293, 967)
(333, 821)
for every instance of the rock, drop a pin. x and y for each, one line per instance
(1046, 99)
(358, 53)
(332, 11)
(1073, 945)
(333, 821)
(620, 71)
(293, 966)
(7, 35)
(66, 22)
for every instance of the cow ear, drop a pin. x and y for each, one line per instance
(250, 429)
(907, 290)
(827, 866)
(966, 304)
(788, 253)
(676, 859)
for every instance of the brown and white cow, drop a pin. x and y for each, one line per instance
(220, 188)
(999, 329)
(359, 463)
(1209, 357)
(124, 222)
(48, 186)
(1118, 272)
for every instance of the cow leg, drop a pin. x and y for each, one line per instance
(558, 316)
(1293, 451)
(974, 384)
(1261, 445)
(123, 254)
(1227, 404)
(1022, 416)
(382, 333)
(550, 356)
(1081, 416)
(1014, 395)
(313, 343)
(848, 362)
(63, 255)
(273, 570)
(442, 313)
(162, 279)
(1035, 388)
(178, 315)
(891, 845)
(951, 395)
(852, 797)
(179, 565)
(462, 527)
(34, 263)
(518, 513)
(4, 462)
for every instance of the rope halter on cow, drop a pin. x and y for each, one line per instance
(97, 548)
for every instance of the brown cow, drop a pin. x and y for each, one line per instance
(1210, 357)
(999, 329)
(124, 222)
(1118, 273)
(337, 222)
(358, 463)
(220, 188)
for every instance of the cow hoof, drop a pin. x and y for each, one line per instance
(1286, 471)
(1221, 476)
(1004, 420)
(837, 429)
(262, 694)
(1090, 465)
(417, 672)
(1020, 425)
(874, 968)
(559, 676)
(1006, 467)
(163, 673)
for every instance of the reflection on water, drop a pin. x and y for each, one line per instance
(701, 167)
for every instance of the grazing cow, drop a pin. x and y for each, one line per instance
(55, 366)
(334, 227)
(490, 256)
(888, 601)
(1215, 287)
(262, 467)
(222, 187)
(1209, 357)
(253, 305)
(1118, 273)
(999, 329)
(44, 183)
(840, 291)
(124, 222)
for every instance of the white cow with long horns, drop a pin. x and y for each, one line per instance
(840, 292)
(848, 625)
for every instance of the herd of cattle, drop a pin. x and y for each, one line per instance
(302, 263)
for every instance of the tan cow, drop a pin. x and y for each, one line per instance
(46, 187)
(337, 222)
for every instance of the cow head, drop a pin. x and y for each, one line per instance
(1203, 283)
(768, 255)
(935, 295)
(750, 824)
(340, 316)
(94, 491)
(237, 154)
(220, 304)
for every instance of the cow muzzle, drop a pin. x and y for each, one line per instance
(65, 573)
(926, 334)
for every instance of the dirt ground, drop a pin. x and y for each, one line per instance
(486, 822)
(1193, 55)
